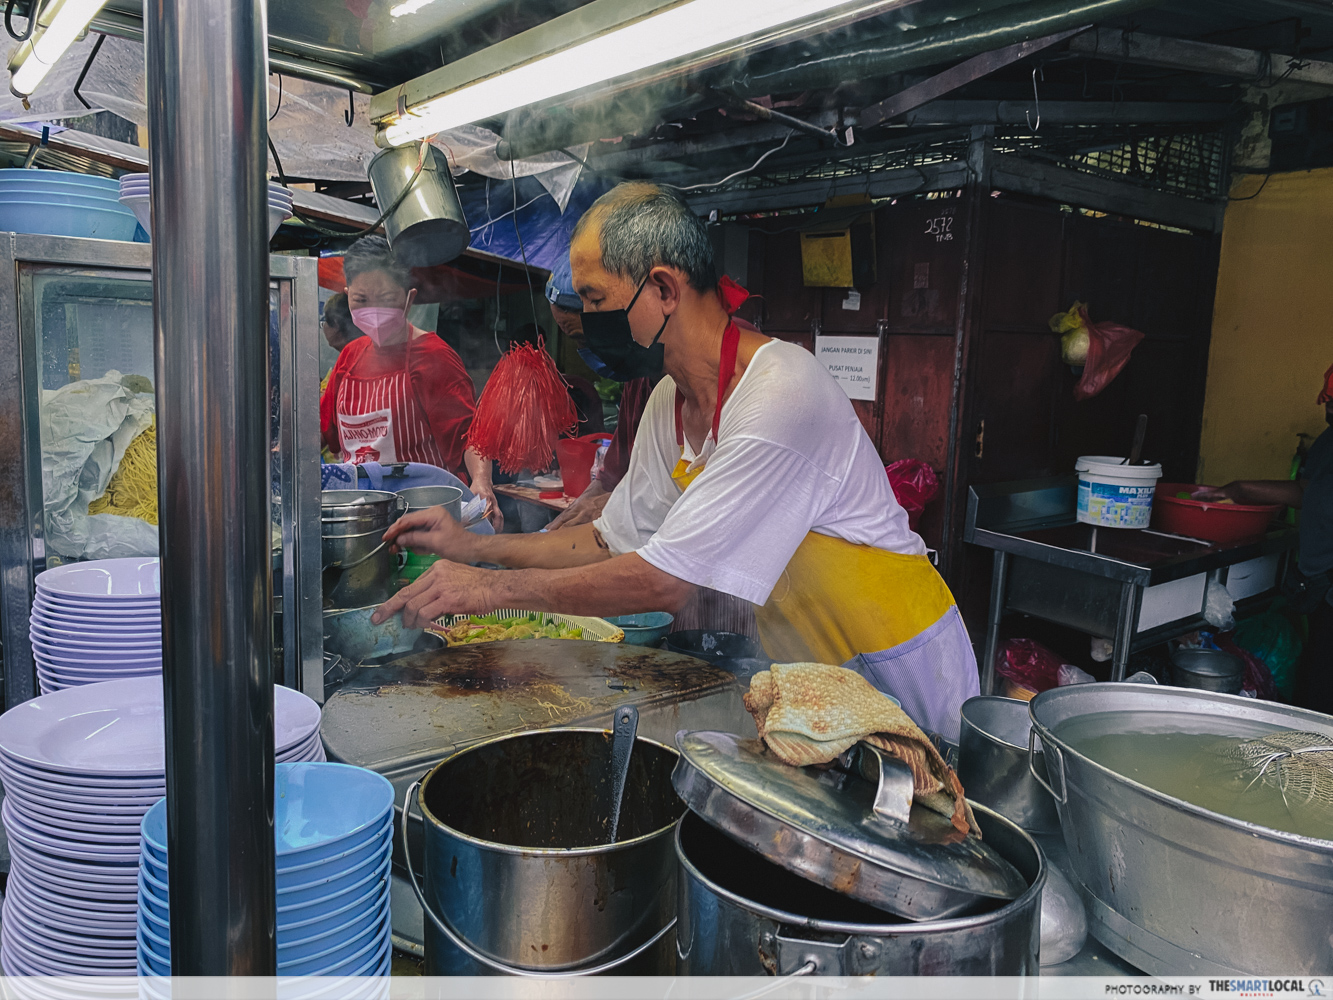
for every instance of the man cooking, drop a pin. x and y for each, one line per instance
(750, 474)
(1309, 588)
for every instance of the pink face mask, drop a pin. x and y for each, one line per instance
(380, 324)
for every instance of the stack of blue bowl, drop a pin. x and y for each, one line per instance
(334, 826)
(58, 203)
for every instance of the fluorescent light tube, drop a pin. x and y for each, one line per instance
(652, 41)
(46, 49)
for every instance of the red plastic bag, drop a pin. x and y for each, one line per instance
(1028, 664)
(914, 484)
(1258, 679)
(1109, 347)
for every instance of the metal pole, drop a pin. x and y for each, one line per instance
(207, 75)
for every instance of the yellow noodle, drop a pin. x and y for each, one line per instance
(132, 491)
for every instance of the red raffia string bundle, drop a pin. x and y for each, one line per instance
(523, 410)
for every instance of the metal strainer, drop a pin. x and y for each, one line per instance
(1299, 765)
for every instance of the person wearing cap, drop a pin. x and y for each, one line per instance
(750, 474)
(1309, 585)
(567, 308)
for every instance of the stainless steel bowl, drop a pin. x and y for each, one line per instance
(993, 763)
(1207, 670)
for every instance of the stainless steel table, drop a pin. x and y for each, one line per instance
(1136, 588)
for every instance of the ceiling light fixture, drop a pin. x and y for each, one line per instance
(685, 29)
(57, 28)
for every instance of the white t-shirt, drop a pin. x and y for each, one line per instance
(791, 458)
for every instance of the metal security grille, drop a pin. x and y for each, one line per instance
(1191, 163)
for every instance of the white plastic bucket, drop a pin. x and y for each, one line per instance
(1112, 495)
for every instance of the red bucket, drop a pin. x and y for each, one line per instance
(576, 456)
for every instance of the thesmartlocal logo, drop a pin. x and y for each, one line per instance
(1269, 987)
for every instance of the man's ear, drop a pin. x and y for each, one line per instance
(667, 284)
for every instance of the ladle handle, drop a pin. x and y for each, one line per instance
(625, 730)
(463, 945)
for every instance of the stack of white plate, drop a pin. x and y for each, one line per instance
(333, 824)
(134, 196)
(80, 768)
(96, 621)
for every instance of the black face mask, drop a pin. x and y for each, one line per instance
(609, 337)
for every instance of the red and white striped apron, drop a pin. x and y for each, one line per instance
(379, 420)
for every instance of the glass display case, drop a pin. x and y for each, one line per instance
(76, 452)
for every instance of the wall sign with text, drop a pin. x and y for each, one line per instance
(853, 361)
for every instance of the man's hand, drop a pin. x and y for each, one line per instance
(446, 588)
(587, 508)
(431, 531)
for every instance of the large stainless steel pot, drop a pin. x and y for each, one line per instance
(518, 875)
(1171, 887)
(740, 914)
(993, 763)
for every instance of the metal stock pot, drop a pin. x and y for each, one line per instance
(741, 915)
(1172, 887)
(519, 877)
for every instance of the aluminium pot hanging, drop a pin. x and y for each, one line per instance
(862, 838)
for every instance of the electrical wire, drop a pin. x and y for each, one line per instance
(738, 173)
(513, 188)
(278, 107)
(402, 195)
(1256, 194)
(505, 215)
(34, 12)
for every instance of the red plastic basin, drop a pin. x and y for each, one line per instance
(1213, 522)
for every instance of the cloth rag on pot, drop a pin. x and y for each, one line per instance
(810, 713)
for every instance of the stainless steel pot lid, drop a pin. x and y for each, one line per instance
(856, 833)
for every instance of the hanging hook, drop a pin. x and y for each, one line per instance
(1036, 100)
(350, 114)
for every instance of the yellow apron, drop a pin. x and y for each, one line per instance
(887, 615)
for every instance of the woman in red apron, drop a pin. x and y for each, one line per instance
(398, 394)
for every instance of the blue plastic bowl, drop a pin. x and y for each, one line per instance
(318, 806)
(160, 926)
(317, 890)
(320, 811)
(156, 945)
(155, 868)
(353, 933)
(340, 958)
(308, 923)
(150, 903)
(330, 872)
(308, 901)
(46, 219)
(157, 854)
(303, 875)
(14, 194)
(158, 887)
(91, 183)
(155, 965)
(647, 629)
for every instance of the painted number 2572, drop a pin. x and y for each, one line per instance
(940, 227)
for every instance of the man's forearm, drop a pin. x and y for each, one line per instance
(1287, 492)
(620, 586)
(580, 545)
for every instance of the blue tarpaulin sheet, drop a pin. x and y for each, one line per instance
(545, 230)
